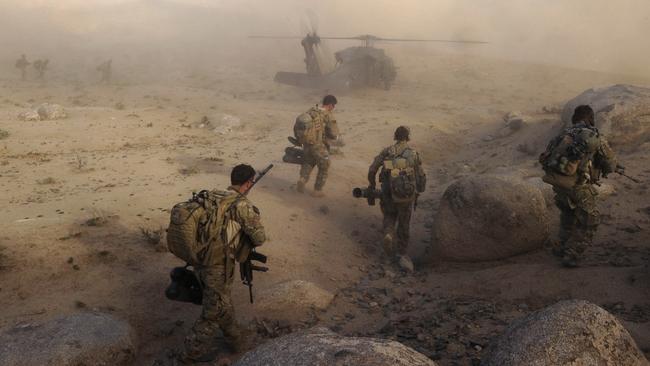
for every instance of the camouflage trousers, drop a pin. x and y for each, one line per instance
(397, 214)
(579, 218)
(217, 313)
(315, 156)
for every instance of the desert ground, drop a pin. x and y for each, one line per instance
(79, 192)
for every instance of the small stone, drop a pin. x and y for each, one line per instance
(406, 264)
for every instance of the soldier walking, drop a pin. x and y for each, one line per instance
(313, 130)
(402, 180)
(106, 69)
(22, 64)
(217, 274)
(573, 162)
(41, 67)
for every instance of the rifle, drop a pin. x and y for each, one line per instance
(247, 267)
(620, 170)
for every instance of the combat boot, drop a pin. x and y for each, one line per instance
(387, 243)
(300, 186)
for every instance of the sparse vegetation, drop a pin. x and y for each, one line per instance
(154, 237)
(190, 170)
(79, 162)
(98, 218)
(48, 180)
(3, 134)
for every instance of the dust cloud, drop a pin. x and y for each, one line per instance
(586, 34)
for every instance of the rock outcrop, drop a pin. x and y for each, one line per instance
(572, 332)
(622, 112)
(78, 339)
(488, 218)
(321, 347)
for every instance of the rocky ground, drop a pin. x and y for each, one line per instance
(87, 197)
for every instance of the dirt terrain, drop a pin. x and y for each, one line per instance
(78, 193)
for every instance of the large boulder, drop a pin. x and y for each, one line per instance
(622, 112)
(489, 217)
(322, 347)
(292, 299)
(573, 332)
(78, 339)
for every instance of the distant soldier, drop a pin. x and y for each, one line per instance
(574, 162)
(313, 130)
(41, 67)
(217, 274)
(107, 71)
(402, 180)
(22, 64)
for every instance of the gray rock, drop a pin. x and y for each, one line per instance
(78, 339)
(622, 112)
(29, 116)
(489, 217)
(49, 111)
(573, 332)
(322, 347)
(290, 300)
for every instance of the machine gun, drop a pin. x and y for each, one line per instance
(620, 170)
(370, 193)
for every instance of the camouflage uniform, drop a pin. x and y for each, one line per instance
(579, 216)
(395, 212)
(316, 147)
(217, 279)
(22, 64)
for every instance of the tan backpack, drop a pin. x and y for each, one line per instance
(308, 128)
(199, 223)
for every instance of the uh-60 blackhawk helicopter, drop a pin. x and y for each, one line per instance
(356, 67)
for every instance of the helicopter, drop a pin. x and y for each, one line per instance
(357, 67)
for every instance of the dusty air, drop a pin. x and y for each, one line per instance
(288, 183)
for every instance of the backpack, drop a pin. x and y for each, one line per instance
(569, 154)
(402, 179)
(308, 127)
(198, 224)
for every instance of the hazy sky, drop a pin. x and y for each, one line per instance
(600, 34)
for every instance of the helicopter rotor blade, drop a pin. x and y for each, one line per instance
(277, 37)
(429, 40)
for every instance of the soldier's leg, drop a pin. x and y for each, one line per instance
(305, 170)
(403, 227)
(217, 313)
(587, 219)
(567, 220)
(389, 211)
(323, 161)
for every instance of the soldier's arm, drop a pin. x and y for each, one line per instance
(248, 217)
(606, 158)
(374, 168)
(420, 176)
(331, 127)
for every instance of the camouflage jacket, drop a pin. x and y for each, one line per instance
(320, 127)
(392, 152)
(598, 162)
(242, 225)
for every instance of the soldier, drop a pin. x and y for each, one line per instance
(22, 64)
(217, 279)
(573, 162)
(313, 129)
(106, 69)
(402, 180)
(41, 67)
